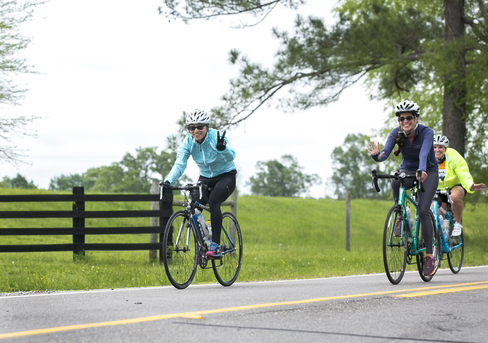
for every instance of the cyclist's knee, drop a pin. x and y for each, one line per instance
(424, 212)
(457, 198)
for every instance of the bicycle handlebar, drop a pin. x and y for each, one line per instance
(398, 176)
(446, 192)
(189, 187)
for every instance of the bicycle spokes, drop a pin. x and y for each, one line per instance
(180, 250)
(226, 269)
(394, 247)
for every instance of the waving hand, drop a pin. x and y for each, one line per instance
(375, 149)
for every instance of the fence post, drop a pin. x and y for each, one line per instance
(153, 237)
(165, 203)
(233, 198)
(233, 210)
(348, 220)
(78, 223)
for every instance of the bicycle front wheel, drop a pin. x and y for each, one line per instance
(436, 250)
(227, 268)
(456, 253)
(179, 250)
(394, 248)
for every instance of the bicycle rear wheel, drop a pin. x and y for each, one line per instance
(227, 268)
(456, 254)
(394, 248)
(179, 250)
(436, 252)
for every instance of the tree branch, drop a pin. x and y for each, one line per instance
(221, 10)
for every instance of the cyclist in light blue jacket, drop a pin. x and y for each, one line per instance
(215, 159)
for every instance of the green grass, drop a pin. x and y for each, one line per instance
(284, 238)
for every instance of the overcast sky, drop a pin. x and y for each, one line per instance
(115, 76)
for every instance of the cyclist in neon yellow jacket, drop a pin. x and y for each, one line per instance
(454, 173)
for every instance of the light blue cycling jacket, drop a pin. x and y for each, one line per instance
(210, 161)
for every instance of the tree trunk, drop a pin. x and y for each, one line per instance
(454, 103)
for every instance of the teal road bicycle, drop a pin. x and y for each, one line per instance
(452, 247)
(405, 246)
(185, 246)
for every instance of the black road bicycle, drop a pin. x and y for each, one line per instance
(184, 247)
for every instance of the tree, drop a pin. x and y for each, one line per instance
(12, 15)
(352, 166)
(131, 174)
(284, 179)
(434, 52)
(67, 182)
(18, 181)
(256, 10)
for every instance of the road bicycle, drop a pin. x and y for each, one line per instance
(399, 248)
(185, 247)
(452, 246)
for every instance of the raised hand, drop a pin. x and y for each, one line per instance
(374, 149)
(221, 141)
(478, 187)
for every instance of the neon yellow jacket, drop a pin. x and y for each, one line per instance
(457, 172)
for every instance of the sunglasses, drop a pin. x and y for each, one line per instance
(199, 127)
(409, 118)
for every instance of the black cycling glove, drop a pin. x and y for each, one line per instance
(164, 184)
(220, 141)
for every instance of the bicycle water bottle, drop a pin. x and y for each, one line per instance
(209, 228)
(445, 228)
(203, 226)
(410, 218)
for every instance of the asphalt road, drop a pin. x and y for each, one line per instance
(450, 308)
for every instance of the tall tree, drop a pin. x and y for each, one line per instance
(284, 179)
(12, 15)
(433, 52)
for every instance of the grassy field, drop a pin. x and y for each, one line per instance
(284, 238)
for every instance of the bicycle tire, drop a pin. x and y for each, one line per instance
(394, 248)
(456, 254)
(437, 253)
(226, 269)
(179, 250)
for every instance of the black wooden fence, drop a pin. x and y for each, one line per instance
(79, 214)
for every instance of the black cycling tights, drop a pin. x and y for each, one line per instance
(219, 189)
(425, 200)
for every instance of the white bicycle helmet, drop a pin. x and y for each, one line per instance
(441, 140)
(407, 106)
(198, 117)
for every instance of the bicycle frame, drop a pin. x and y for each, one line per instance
(190, 209)
(400, 247)
(403, 199)
(445, 247)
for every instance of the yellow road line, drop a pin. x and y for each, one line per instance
(442, 291)
(199, 314)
